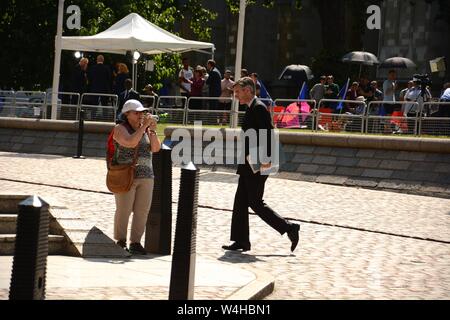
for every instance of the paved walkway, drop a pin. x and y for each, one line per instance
(354, 243)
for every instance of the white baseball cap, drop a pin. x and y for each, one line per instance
(133, 105)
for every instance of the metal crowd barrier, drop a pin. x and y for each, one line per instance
(174, 106)
(434, 124)
(209, 110)
(67, 107)
(7, 98)
(294, 113)
(99, 106)
(395, 123)
(343, 121)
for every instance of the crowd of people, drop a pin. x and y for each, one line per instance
(364, 91)
(209, 89)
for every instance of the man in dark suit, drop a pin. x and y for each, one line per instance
(127, 94)
(250, 188)
(100, 80)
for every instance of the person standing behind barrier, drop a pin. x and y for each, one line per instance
(317, 92)
(227, 92)
(389, 86)
(377, 109)
(185, 77)
(197, 90)
(444, 110)
(250, 188)
(80, 79)
(137, 131)
(414, 95)
(402, 94)
(119, 82)
(128, 94)
(152, 98)
(100, 78)
(331, 92)
(214, 83)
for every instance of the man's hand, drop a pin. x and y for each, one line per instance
(265, 166)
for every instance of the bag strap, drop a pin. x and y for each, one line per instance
(135, 155)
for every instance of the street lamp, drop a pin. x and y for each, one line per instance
(136, 56)
(77, 54)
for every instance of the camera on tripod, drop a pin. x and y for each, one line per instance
(422, 79)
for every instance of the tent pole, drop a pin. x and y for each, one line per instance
(57, 61)
(238, 64)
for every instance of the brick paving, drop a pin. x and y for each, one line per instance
(354, 243)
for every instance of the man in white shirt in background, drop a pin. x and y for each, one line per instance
(389, 86)
(185, 77)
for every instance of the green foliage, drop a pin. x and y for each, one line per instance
(28, 28)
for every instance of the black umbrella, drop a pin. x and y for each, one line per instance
(297, 73)
(361, 58)
(397, 62)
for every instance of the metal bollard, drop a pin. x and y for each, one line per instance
(31, 251)
(80, 136)
(183, 261)
(158, 235)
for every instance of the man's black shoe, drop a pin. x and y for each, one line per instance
(122, 244)
(293, 235)
(238, 246)
(136, 248)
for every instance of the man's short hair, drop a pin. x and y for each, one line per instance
(212, 62)
(246, 82)
(323, 77)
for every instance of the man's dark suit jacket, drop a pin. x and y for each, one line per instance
(123, 97)
(100, 78)
(256, 117)
(79, 80)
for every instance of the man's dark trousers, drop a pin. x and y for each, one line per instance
(250, 193)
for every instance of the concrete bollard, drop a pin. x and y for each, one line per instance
(158, 235)
(31, 251)
(183, 261)
(80, 136)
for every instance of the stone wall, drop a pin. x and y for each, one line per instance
(52, 136)
(406, 164)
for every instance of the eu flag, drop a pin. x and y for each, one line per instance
(342, 94)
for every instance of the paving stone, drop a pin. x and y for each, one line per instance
(307, 168)
(369, 163)
(393, 164)
(373, 173)
(303, 158)
(336, 180)
(347, 162)
(324, 160)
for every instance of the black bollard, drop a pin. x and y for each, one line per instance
(80, 136)
(183, 261)
(158, 235)
(31, 251)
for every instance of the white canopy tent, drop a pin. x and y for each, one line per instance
(132, 33)
(136, 34)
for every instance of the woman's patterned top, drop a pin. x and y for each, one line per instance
(123, 155)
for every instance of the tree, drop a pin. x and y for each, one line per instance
(28, 28)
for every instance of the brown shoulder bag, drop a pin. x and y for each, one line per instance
(120, 177)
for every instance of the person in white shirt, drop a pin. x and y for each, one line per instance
(185, 77)
(414, 95)
(389, 86)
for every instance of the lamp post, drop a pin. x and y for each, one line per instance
(57, 62)
(238, 64)
(136, 56)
